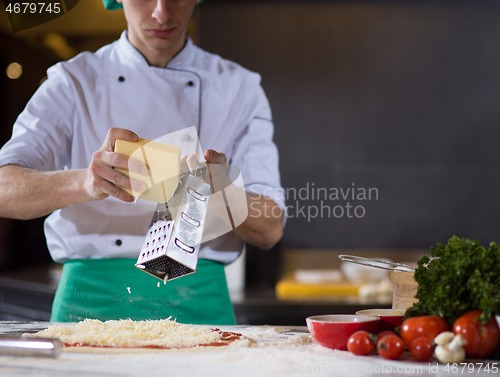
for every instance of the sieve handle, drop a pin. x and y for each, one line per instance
(377, 263)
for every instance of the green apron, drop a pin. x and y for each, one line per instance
(107, 289)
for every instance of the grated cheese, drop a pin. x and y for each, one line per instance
(128, 333)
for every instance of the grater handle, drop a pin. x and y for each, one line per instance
(385, 265)
(200, 171)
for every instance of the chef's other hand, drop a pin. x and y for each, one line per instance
(215, 162)
(217, 168)
(102, 179)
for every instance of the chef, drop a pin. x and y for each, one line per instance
(151, 82)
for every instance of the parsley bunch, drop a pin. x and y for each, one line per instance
(461, 275)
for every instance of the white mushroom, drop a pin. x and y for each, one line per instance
(444, 338)
(449, 347)
(457, 343)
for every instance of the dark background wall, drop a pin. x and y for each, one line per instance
(22, 243)
(397, 96)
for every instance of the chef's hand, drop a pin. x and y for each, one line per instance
(189, 164)
(216, 165)
(217, 168)
(102, 179)
(254, 218)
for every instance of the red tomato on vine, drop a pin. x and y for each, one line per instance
(425, 326)
(482, 340)
(361, 343)
(390, 347)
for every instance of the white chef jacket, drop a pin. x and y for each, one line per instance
(68, 118)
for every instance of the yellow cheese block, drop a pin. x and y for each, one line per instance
(289, 289)
(163, 162)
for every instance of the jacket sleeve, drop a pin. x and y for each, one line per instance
(255, 153)
(41, 136)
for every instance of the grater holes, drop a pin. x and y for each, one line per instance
(177, 270)
(158, 264)
(184, 247)
(196, 195)
(163, 266)
(189, 220)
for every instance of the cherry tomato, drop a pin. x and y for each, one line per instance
(361, 343)
(390, 347)
(384, 333)
(421, 348)
(482, 340)
(424, 326)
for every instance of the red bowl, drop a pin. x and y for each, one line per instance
(390, 318)
(334, 330)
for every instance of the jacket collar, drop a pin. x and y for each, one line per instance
(127, 51)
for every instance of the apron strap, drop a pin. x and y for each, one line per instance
(108, 289)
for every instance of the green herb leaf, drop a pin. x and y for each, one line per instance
(461, 276)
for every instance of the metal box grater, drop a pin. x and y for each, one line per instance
(172, 244)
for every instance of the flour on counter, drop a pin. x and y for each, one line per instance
(278, 336)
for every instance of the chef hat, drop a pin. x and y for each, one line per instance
(113, 5)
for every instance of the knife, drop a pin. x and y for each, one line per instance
(29, 346)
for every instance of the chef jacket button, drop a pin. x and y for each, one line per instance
(121, 79)
(118, 242)
(187, 138)
(190, 83)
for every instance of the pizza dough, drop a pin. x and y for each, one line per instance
(126, 334)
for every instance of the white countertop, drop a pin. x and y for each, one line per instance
(277, 351)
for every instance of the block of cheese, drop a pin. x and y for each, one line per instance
(163, 163)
